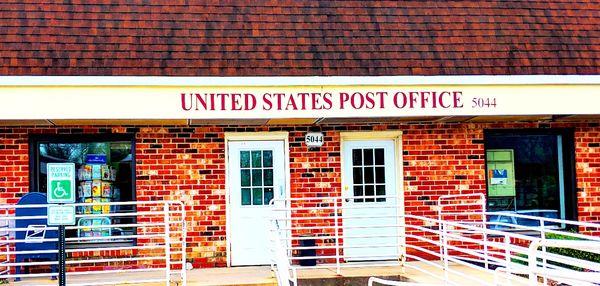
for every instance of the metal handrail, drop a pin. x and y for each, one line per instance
(426, 239)
(165, 234)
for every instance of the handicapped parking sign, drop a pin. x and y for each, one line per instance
(61, 183)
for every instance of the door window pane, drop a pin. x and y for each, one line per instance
(268, 177)
(356, 157)
(257, 198)
(380, 191)
(268, 158)
(246, 198)
(367, 157)
(369, 193)
(357, 175)
(257, 177)
(256, 159)
(244, 159)
(268, 195)
(245, 178)
(369, 176)
(358, 192)
(379, 157)
(380, 175)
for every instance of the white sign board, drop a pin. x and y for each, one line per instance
(61, 183)
(266, 102)
(61, 215)
(314, 139)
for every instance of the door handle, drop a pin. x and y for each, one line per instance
(346, 194)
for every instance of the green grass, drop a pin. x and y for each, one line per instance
(574, 253)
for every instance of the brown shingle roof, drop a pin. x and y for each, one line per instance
(299, 37)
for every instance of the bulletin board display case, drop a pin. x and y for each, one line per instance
(96, 186)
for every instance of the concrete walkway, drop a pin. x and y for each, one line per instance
(262, 276)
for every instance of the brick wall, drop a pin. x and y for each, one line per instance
(187, 163)
(587, 158)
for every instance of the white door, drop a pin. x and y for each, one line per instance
(256, 175)
(370, 204)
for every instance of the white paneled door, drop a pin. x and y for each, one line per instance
(256, 175)
(370, 204)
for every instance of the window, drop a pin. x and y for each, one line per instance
(105, 170)
(530, 172)
(256, 177)
(368, 174)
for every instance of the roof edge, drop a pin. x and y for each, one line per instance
(298, 80)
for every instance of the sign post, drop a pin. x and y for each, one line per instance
(61, 191)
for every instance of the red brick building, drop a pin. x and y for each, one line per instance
(414, 100)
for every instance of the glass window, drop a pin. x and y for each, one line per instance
(104, 174)
(368, 174)
(527, 174)
(256, 170)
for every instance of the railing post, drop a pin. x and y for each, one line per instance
(440, 225)
(338, 268)
(543, 238)
(167, 244)
(485, 241)
(445, 253)
(507, 258)
(532, 261)
(183, 247)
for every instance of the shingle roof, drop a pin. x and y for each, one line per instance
(299, 37)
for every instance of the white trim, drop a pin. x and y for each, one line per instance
(296, 81)
(561, 177)
(252, 136)
(371, 135)
(257, 136)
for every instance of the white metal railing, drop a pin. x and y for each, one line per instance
(451, 247)
(121, 242)
(378, 281)
(473, 207)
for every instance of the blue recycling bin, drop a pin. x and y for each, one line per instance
(33, 245)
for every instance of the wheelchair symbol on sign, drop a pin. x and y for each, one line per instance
(59, 191)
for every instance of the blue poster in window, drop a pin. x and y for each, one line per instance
(95, 159)
(499, 177)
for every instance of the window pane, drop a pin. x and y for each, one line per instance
(257, 198)
(357, 175)
(369, 176)
(358, 192)
(257, 177)
(268, 195)
(380, 191)
(256, 159)
(268, 158)
(380, 174)
(368, 157)
(245, 177)
(370, 192)
(245, 196)
(244, 159)
(379, 157)
(268, 177)
(356, 157)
